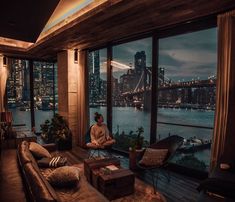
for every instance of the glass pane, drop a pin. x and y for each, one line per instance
(131, 87)
(18, 93)
(43, 74)
(186, 94)
(97, 64)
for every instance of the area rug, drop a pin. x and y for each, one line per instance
(143, 192)
(82, 193)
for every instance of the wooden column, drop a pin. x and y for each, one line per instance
(68, 90)
(3, 79)
(83, 106)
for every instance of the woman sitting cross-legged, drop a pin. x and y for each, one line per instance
(100, 135)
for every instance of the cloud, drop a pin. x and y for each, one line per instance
(125, 53)
(184, 56)
(201, 40)
(191, 56)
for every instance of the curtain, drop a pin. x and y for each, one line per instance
(224, 114)
(3, 80)
(82, 98)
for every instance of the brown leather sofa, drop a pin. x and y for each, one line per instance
(39, 190)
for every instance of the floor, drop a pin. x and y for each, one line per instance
(179, 189)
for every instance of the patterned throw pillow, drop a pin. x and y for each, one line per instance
(153, 157)
(38, 151)
(65, 176)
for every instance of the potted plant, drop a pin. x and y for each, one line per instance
(136, 143)
(57, 131)
(139, 138)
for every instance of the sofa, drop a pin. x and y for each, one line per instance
(38, 188)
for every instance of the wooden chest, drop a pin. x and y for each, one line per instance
(117, 184)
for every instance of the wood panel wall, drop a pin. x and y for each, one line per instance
(68, 90)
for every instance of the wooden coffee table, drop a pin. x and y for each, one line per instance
(113, 184)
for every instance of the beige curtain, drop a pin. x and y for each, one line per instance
(225, 86)
(3, 80)
(82, 98)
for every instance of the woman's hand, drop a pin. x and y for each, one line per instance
(95, 143)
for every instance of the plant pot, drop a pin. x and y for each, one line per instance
(64, 144)
(138, 147)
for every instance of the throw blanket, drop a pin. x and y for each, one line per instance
(54, 162)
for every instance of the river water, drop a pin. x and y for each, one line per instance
(129, 119)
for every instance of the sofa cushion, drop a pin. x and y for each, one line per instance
(39, 187)
(153, 157)
(24, 154)
(38, 151)
(65, 176)
(82, 192)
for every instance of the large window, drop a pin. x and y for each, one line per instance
(131, 91)
(97, 64)
(18, 92)
(186, 94)
(45, 95)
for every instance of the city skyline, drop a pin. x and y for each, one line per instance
(133, 86)
(18, 85)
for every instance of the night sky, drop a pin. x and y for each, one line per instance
(184, 57)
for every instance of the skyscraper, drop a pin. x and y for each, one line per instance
(140, 62)
(94, 76)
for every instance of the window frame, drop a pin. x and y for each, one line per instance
(31, 81)
(203, 23)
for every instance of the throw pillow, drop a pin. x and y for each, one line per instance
(153, 157)
(38, 151)
(65, 176)
(55, 162)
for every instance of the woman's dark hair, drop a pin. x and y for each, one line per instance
(97, 116)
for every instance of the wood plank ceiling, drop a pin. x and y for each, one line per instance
(23, 20)
(117, 19)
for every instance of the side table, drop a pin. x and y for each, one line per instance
(24, 135)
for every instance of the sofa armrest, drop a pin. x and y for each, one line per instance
(50, 147)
